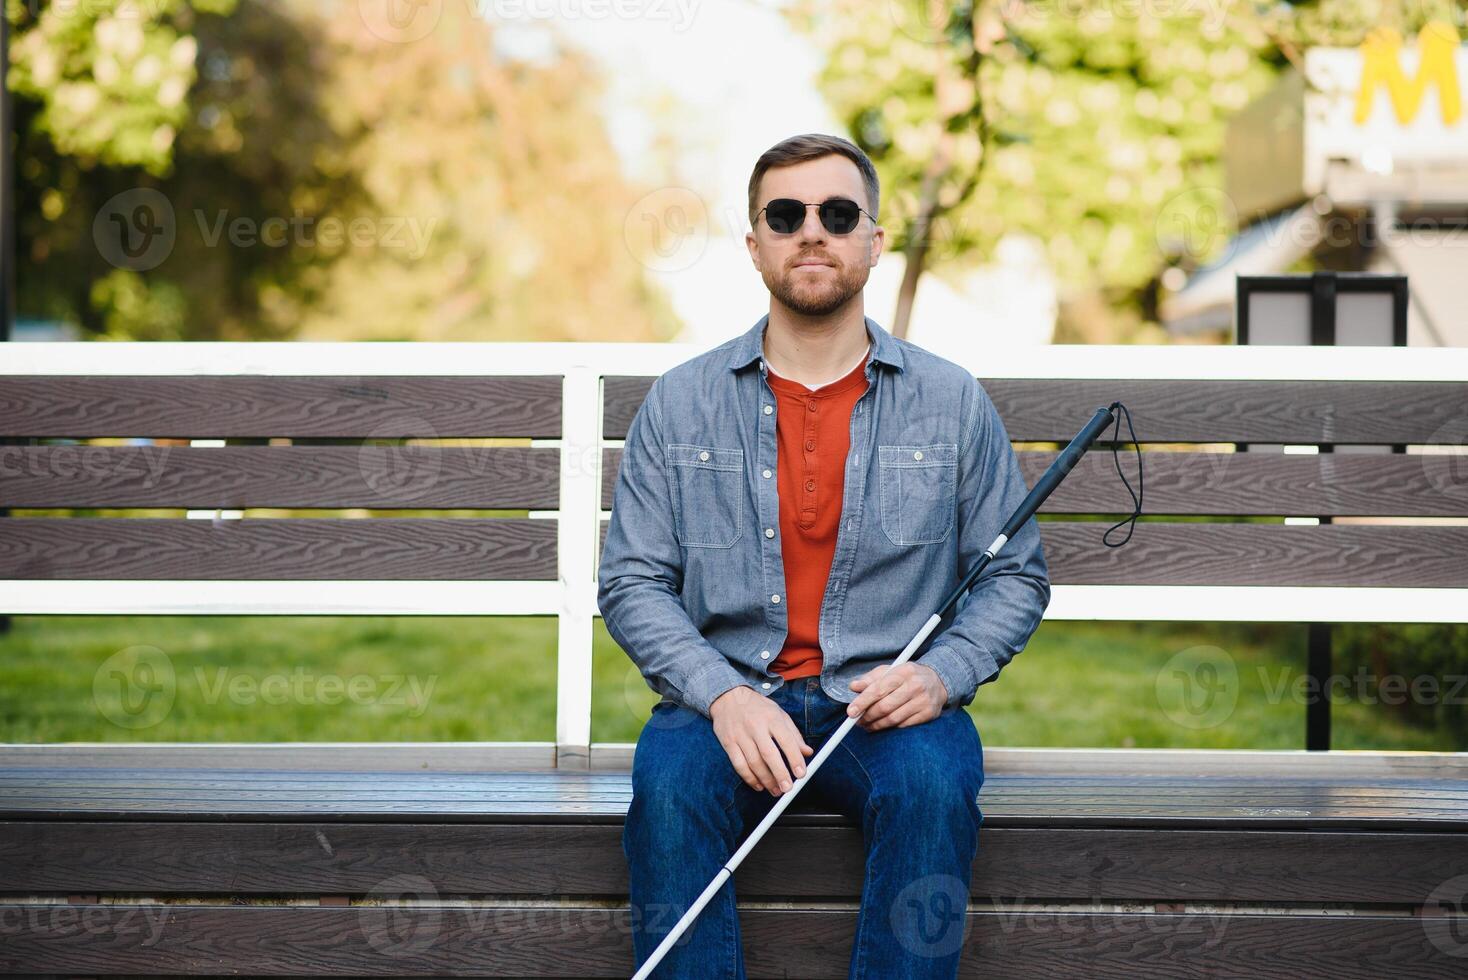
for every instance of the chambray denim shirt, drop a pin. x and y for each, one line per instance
(691, 581)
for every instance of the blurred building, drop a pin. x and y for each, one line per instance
(1361, 164)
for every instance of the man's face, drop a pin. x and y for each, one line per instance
(842, 262)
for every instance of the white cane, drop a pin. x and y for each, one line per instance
(1058, 470)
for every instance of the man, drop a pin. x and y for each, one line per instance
(791, 507)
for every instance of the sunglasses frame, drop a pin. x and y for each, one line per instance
(817, 204)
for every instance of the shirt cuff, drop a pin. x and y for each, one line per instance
(961, 674)
(708, 684)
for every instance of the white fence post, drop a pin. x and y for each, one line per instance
(580, 508)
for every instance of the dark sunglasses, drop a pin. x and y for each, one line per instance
(785, 215)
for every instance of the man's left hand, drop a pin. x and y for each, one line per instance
(900, 697)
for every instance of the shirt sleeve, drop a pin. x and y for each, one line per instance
(640, 577)
(994, 619)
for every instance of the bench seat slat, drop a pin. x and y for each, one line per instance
(1006, 800)
(560, 941)
(306, 858)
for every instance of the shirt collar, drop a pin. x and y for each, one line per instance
(750, 347)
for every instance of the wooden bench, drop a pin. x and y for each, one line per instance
(502, 859)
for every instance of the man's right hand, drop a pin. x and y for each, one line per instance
(755, 731)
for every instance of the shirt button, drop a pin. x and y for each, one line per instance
(775, 597)
(764, 655)
(769, 409)
(811, 405)
(810, 484)
(769, 532)
(810, 444)
(918, 454)
(766, 685)
(767, 474)
(703, 456)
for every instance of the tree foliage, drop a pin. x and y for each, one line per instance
(308, 177)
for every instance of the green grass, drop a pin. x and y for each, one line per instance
(260, 679)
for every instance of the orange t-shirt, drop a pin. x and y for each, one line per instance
(813, 433)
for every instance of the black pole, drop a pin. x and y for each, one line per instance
(7, 212)
(7, 190)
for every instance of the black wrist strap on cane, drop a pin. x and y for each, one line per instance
(1137, 496)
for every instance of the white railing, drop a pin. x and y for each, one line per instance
(572, 598)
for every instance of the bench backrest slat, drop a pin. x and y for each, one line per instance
(1299, 412)
(257, 406)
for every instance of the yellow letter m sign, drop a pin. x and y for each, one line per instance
(1437, 48)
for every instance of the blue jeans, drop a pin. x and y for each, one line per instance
(914, 790)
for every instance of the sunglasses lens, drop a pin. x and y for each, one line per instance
(784, 215)
(840, 216)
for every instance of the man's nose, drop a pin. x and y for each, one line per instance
(811, 229)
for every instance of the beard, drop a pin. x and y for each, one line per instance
(816, 294)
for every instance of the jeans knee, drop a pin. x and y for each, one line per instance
(929, 795)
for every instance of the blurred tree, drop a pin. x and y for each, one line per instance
(247, 169)
(495, 202)
(1093, 123)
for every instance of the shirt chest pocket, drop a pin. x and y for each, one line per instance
(708, 494)
(918, 489)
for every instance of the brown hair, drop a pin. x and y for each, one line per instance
(810, 146)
